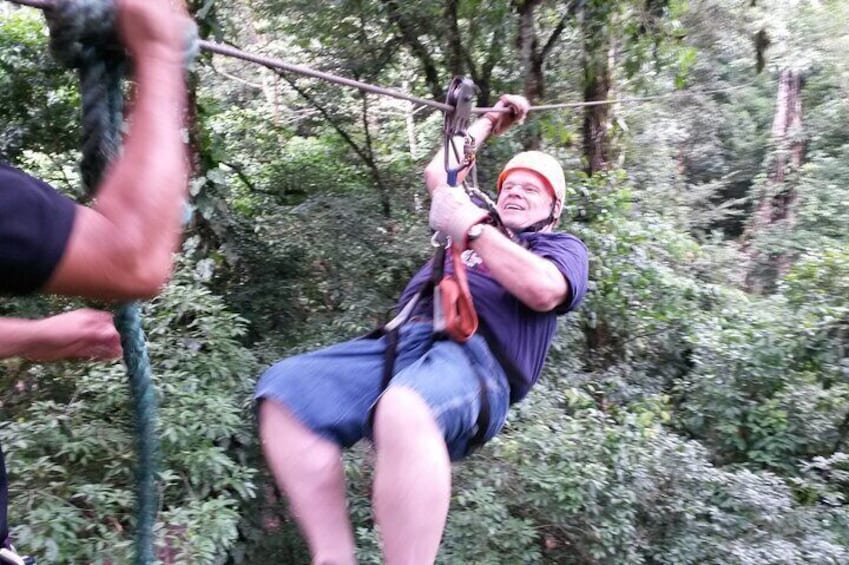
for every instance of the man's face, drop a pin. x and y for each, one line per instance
(524, 199)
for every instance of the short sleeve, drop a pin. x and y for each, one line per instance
(570, 256)
(35, 224)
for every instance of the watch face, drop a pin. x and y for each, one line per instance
(475, 232)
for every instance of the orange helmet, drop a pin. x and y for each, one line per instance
(542, 164)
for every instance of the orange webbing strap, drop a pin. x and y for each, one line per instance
(454, 300)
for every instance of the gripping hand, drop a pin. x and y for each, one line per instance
(453, 213)
(517, 109)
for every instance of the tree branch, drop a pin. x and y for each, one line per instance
(556, 32)
(240, 172)
(410, 38)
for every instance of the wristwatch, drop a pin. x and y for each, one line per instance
(474, 232)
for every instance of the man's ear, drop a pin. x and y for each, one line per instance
(556, 210)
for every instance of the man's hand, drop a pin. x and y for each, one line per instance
(79, 334)
(453, 213)
(154, 29)
(518, 107)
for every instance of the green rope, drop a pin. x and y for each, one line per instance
(83, 36)
(128, 322)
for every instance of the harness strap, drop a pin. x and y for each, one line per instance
(8, 555)
(482, 423)
(4, 499)
(453, 308)
(390, 355)
(459, 321)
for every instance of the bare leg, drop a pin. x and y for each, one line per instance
(308, 468)
(412, 485)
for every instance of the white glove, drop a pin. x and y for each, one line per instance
(452, 213)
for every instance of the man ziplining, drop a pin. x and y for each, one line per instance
(311, 406)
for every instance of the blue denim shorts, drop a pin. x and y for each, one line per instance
(333, 390)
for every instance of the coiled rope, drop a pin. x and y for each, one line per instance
(83, 36)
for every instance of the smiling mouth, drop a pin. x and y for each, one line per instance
(513, 207)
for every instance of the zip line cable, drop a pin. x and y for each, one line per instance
(628, 99)
(273, 63)
(270, 62)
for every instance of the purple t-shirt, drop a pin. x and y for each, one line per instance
(523, 335)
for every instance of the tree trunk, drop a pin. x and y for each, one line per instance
(776, 206)
(532, 56)
(455, 55)
(528, 45)
(594, 19)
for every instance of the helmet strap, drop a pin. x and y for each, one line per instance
(537, 226)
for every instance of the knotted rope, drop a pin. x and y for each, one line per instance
(83, 36)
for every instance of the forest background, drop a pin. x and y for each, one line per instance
(693, 410)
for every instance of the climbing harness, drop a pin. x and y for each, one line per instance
(454, 316)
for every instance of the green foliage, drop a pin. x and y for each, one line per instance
(38, 100)
(70, 455)
(681, 418)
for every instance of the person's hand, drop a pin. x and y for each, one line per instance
(154, 29)
(518, 107)
(452, 213)
(79, 334)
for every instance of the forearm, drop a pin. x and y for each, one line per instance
(535, 281)
(20, 337)
(145, 188)
(435, 174)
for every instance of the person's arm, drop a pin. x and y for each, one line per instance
(79, 334)
(534, 280)
(122, 247)
(492, 123)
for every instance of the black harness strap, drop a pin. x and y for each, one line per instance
(391, 354)
(4, 499)
(482, 423)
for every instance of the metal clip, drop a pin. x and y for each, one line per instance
(461, 96)
(438, 239)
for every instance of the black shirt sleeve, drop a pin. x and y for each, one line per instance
(35, 224)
